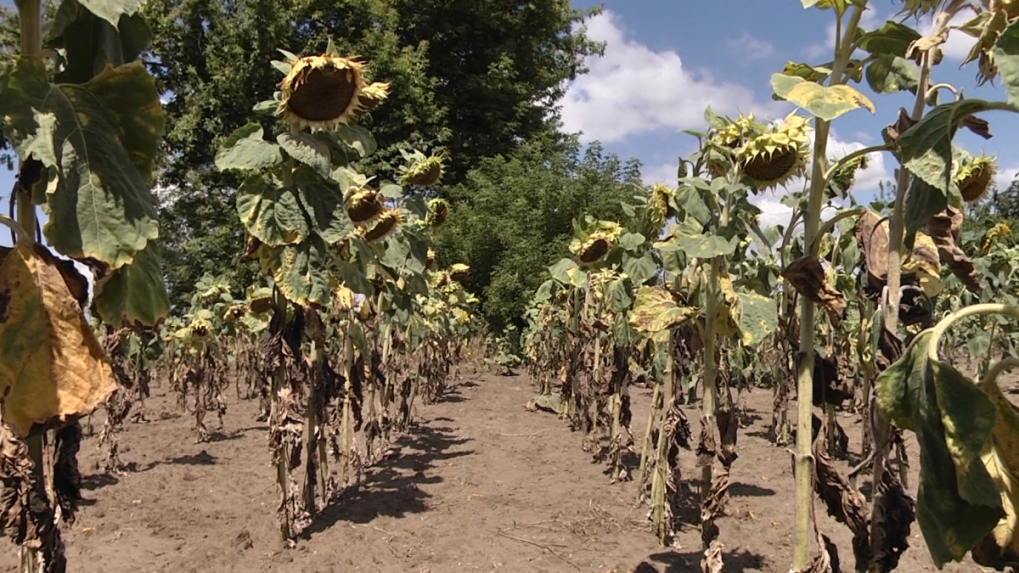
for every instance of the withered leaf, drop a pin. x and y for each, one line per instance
(52, 367)
(944, 229)
(712, 560)
(872, 239)
(844, 503)
(807, 276)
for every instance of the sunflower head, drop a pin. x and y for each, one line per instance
(430, 260)
(845, 177)
(234, 313)
(385, 225)
(974, 177)
(996, 232)
(459, 272)
(732, 136)
(438, 210)
(423, 171)
(321, 92)
(598, 244)
(363, 205)
(774, 158)
(372, 96)
(200, 328)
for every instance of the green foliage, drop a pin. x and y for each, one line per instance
(491, 79)
(513, 218)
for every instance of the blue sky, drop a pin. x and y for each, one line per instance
(666, 60)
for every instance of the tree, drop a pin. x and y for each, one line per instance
(475, 77)
(513, 217)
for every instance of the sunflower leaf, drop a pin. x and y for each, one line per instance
(824, 102)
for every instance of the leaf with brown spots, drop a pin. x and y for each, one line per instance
(944, 228)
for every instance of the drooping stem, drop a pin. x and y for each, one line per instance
(805, 370)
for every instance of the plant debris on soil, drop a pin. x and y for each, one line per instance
(480, 484)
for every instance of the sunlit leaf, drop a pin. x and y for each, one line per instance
(247, 150)
(824, 102)
(134, 293)
(271, 214)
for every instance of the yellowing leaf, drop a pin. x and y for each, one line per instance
(824, 102)
(52, 368)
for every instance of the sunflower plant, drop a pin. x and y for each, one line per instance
(94, 185)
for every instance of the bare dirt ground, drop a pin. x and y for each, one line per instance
(481, 484)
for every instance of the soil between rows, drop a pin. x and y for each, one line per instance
(480, 484)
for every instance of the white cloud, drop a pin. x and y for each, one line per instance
(1005, 175)
(667, 173)
(633, 89)
(751, 47)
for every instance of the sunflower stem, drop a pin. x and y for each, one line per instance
(805, 382)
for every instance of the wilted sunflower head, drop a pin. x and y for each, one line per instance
(372, 96)
(1000, 230)
(774, 158)
(363, 205)
(321, 92)
(430, 260)
(459, 272)
(234, 313)
(422, 170)
(843, 179)
(974, 177)
(732, 136)
(438, 210)
(598, 244)
(385, 225)
(200, 328)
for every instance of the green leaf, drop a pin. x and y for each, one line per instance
(806, 71)
(100, 139)
(889, 74)
(839, 5)
(560, 271)
(270, 213)
(704, 246)
(112, 10)
(640, 269)
(134, 293)
(892, 39)
(758, 317)
(307, 149)
(300, 271)
(923, 201)
(1006, 58)
(958, 502)
(246, 150)
(544, 292)
(824, 102)
(631, 241)
(353, 278)
(926, 148)
(90, 43)
(324, 205)
(616, 295)
(358, 138)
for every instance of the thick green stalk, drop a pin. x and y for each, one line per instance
(710, 367)
(646, 443)
(804, 375)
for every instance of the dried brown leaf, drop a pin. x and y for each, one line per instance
(807, 276)
(712, 560)
(872, 238)
(944, 228)
(844, 503)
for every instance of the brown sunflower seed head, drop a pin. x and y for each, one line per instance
(598, 245)
(424, 172)
(386, 224)
(459, 272)
(430, 260)
(975, 177)
(321, 92)
(438, 210)
(364, 205)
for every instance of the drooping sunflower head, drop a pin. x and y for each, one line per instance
(321, 92)
(998, 231)
(598, 244)
(974, 177)
(363, 205)
(733, 136)
(772, 159)
(372, 96)
(385, 225)
(459, 272)
(438, 210)
(259, 300)
(430, 260)
(234, 313)
(422, 170)
(200, 328)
